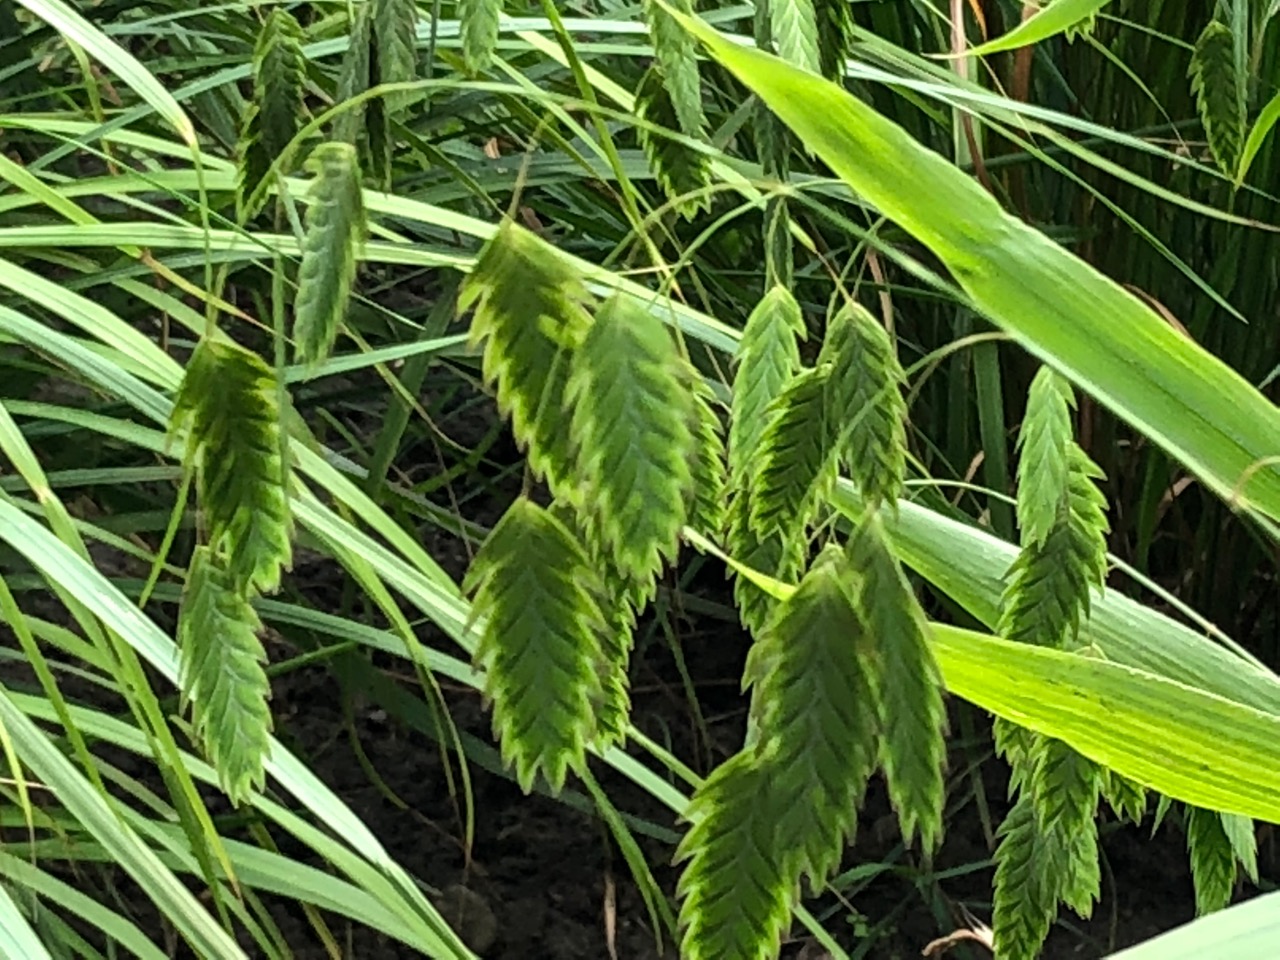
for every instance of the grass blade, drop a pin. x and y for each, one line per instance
(1207, 750)
(78, 30)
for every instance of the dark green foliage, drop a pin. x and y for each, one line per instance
(676, 54)
(1219, 94)
(737, 898)
(1025, 903)
(1213, 862)
(229, 407)
(222, 675)
(480, 22)
(529, 313)
(835, 35)
(540, 643)
(816, 713)
(632, 413)
(866, 412)
(795, 467)
(335, 227)
(276, 111)
(1127, 799)
(909, 685)
(683, 173)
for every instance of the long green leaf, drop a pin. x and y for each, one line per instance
(80, 31)
(1053, 303)
(1055, 17)
(17, 939)
(969, 565)
(70, 900)
(1247, 931)
(1257, 136)
(1203, 749)
(127, 849)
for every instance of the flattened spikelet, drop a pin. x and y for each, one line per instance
(865, 412)
(816, 714)
(1219, 95)
(356, 75)
(706, 503)
(1244, 842)
(1127, 799)
(529, 314)
(1049, 854)
(619, 603)
(480, 22)
(683, 173)
(773, 555)
(794, 29)
(276, 110)
(222, 676)
(1064, 789)
(1025, 904)
(736, 895)
(913, 748)
(1048, 586)
(1213, 862)
(1044, 443)
(677, 61)
(228, 403)
(395, 32)
(796, 468)
(631, 427)
(335, 228)
(540, 645)
(768, 358)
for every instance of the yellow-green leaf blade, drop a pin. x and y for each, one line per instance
(1203, 749)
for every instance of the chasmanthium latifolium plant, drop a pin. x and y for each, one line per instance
(229, 412)
(1048, 849)
(631, 445)
(841, 676)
